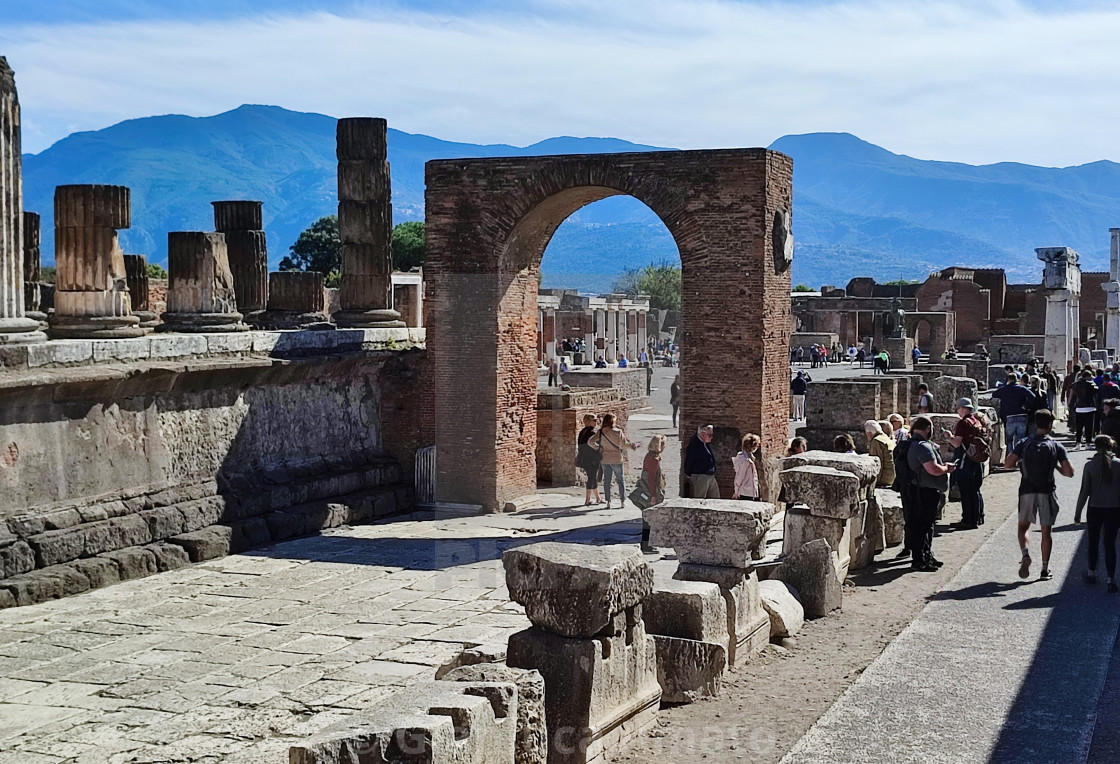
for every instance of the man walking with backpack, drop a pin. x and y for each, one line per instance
(926, 481)
(970, 439)
(1038, 457)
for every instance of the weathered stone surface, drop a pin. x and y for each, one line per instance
(693, 610)
(473, 656)
(169, 556)
(573, 589)
(531, 746)
(207, 543)
(16, 558)
(599, 693)
(780, 600)
(710, 531)
(948, 390)
(826, 491)
(437, 722)
(748, 625)
(45, 584)
(894, 524)
(101, 571)
(134, 562)
(811, 570)
(863, 466)
(688, 670)
(801, 527)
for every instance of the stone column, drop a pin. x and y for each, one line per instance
(296, 300)
(589, 340)
(91, 297)
(32, 269)
(200, 296)
(247, 250)
(1112, 288)
(1061, 281)
(643, 333)
(365, 224)
(136, 275)
(550, 340)
(14, 325)
(632, 335)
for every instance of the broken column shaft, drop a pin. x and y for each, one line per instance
(200, 296)
(136, 275)
(247, 250)
(365, 224)
(32, 269)
(14, 325)
(296, 300)
(91, 293)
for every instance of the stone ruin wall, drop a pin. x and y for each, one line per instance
(559, 420)
(134, 456)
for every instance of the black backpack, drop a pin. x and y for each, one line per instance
(903, 475)
(1040, 457)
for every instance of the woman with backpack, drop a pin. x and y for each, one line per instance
(588, 459)
(972, 449)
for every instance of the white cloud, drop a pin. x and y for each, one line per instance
(980, 82)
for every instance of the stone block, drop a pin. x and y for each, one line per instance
(169, 556)
(574, 589)
(717, 532)
(7, 600)
(863, 466)
(841, 405)
(436, 722)
(688, 670)
(163, 522)
(748, 626)
(101, 571)
(134, 562)
(811, 569)
(16, 558)
(801, 527)
(201, 513)
(205, 544)
(894, 524)
(531, 746)
(45, 584)
(692, 610)
(826, 491)
(948, 390)
(781, 603)
(599, 693)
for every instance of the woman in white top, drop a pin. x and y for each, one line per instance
(613, 445)
(746, 469)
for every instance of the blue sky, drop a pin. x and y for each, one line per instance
(982, 81)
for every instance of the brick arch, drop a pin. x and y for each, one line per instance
(488, 224)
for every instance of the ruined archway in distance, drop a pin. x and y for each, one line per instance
(488, 223)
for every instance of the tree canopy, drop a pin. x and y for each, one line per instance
(803, 288)
(661, 281)
(156, 271)
(319, 248)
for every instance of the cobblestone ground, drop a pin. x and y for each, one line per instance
(234, 659)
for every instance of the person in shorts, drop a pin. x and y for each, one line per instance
(1038, 458)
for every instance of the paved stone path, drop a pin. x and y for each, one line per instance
(233, 659)
(993, 669)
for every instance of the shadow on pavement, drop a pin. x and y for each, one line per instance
(985, 590)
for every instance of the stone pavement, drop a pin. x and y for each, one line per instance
(993, 669)
(233, 659)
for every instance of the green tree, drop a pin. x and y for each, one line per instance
(156, 271)
(318, 248)
(661, 281)
(408, 245)
(803, 288)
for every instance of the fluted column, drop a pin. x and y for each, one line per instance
(14, 325)
(136, 276)
(242, 224)
(365, 224)
(200, 296)
(91, 297)
(296, 300)
(33, 269)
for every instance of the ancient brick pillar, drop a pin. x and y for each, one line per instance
(296, 300)
(241, 222)
(365, 224)
(200, 296)
(136, 275)
(91, 293)
(14, 325)
(32, 269)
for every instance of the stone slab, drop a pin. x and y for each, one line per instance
(811, 569)
(748, 625)
(531, 745)
(863, 466)
(693, 610)
(575, 590)
(781, 603)
(826, 491)
(720, 532)
(688, 670)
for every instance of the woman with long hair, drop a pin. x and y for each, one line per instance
(588, 460)
(613, 446)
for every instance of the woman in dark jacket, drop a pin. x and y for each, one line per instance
(588, 460)
(1100, 486)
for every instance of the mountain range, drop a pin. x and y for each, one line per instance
(858, 208)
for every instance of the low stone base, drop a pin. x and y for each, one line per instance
(532, 744)
(20, 331)
(148, 319)
(289, 319)
(94, 327)
(899, 351)
(600, 693)
(203, 322)
(748, 625)
(688, 670)
(376, 319)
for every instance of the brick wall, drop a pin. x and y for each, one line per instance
(559, 420)
(488, 223)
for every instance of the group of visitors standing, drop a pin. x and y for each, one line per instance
(700, 466)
